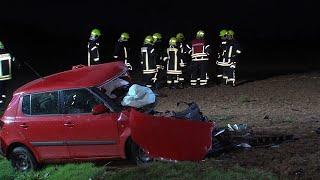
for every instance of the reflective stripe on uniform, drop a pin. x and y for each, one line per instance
(96, 59)
(173, 72)
(125, 53)
(199, 55)
(94, 47)
(149, 71)
(200, 59)
(230, 52)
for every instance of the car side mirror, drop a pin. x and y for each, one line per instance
(99, 109)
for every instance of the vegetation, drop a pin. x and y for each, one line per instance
(158, 170)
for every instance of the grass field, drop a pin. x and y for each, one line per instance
(157, 170)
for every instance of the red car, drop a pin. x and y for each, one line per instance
(66, 117)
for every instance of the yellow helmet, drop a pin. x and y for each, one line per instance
(157, 37)
(200, 34)
(148, 40)
(173, 41)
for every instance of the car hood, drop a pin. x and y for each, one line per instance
(171, 138)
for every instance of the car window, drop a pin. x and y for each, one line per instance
(79, 101)
(44, 103)
(26, 105)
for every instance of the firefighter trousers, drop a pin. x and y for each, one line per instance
(199, 73)
(149, 79)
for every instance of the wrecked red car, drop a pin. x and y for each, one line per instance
(75, 115)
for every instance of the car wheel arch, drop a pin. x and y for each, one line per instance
(14, 145)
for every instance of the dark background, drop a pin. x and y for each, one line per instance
(277, 37)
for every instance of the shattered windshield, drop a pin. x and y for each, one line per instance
(114, 91)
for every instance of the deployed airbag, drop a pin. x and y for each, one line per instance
(138, 96)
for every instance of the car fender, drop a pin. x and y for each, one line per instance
(123, 140)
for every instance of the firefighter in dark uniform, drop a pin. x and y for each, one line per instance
(174, 64)
(148, 62)
(122, 50)
(200, 52)
(221, 62)
(93, 47)
(233, 51)
(6, 61)
(160, 52)
(157, 44)
(183, 49)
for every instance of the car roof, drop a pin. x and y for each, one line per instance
(87, 76)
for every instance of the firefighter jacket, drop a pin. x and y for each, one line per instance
(199, 50)
(173, 60)
(122, 51)
(229, 51)
(93, 51)
(148, 59)
(183, 49)
(160, 52)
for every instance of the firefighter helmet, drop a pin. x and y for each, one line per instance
(1, 45)
(173, 41)
(157, 37)
(148, 40)
(124, 36)
(180, 37)
(223, 33)
(95, 32)
(231, 33)
(200, 34)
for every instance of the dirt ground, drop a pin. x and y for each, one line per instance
(288, 104)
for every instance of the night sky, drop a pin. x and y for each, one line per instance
(52, 35)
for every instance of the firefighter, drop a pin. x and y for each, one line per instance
(122, 50)
(93, 47)
(148, 62)
(6, 61)
(221, 62)
(183, 49)
(200, 52)
(157, 43)
(233, 54)
(174, 64)
(160, 52)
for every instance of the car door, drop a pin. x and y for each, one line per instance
(42, 125)
(88, 135)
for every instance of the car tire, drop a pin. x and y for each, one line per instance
(138, 155)
(22, 160)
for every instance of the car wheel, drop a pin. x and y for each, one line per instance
(22, 160)
(139, 156)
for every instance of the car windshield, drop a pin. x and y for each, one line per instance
(114, 91)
